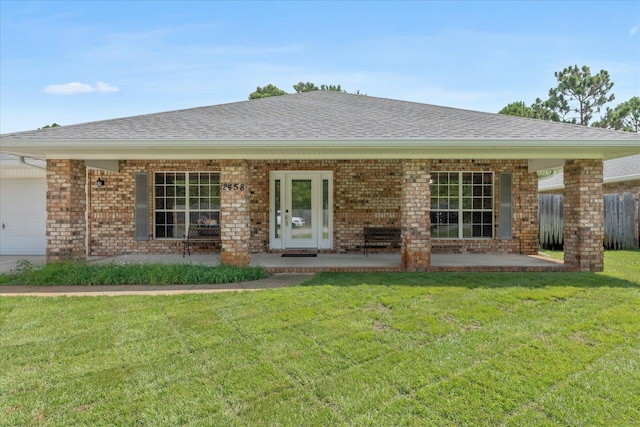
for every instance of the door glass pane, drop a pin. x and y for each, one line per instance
(277, 220)
(300, 215)
(325, 209)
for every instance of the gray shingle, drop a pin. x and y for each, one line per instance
(322, 115)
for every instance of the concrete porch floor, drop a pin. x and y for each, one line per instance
(333, 262)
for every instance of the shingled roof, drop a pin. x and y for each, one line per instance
(322, 115)
(323, 125)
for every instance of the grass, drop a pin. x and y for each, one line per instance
(127, 274)
(343, 349)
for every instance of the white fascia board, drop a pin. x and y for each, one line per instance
(550, 188)
(321, 149)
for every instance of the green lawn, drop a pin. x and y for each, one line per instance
(343, 349)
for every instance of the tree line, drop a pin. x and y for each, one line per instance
(577, 97)
(271, 90)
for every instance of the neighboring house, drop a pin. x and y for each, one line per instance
(23, 214)
(620, 176)
(452, 180)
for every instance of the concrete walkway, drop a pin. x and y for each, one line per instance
(278, 280)
(281, 268)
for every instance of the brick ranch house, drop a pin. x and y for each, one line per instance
(310, 171)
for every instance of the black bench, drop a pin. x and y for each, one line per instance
(381, 235)
(199, 235)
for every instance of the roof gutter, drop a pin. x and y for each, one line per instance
(21, 160)
(623, 178)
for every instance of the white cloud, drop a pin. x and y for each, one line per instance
(75, 88)
(633, 31)
(103, 87)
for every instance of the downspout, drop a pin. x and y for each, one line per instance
(24, 163)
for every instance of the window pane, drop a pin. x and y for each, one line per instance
(278, 209)
(176, 211)
(325, 208)
(301, 196)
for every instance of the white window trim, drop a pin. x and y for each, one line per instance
(186, 211)
(279, 243)
(460, 209)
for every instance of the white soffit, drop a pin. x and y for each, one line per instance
(107, 165)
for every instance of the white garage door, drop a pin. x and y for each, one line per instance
(23, 216)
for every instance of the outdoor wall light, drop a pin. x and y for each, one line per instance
(100, 182)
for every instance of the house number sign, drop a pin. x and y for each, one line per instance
(233, 186)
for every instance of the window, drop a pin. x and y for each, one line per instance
(182, 199)
(461, 205)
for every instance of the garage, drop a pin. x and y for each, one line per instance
(23, 214)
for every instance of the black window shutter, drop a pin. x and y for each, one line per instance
(142, 206)
(505, 213)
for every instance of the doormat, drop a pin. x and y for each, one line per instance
(299, 255)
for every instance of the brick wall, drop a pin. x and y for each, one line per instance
(235, 218)
(112, 208)
(583, 215)
(415, 201)
(365, 193)
(66, 205)
(632, 187)
(525, 209)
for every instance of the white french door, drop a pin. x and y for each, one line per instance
(301, 209)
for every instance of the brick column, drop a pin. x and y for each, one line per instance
(528, 213)
(415, 203)
(235, 221)
(66, 210)
(583, 215)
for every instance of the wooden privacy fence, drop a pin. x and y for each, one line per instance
(551, 220)
(621, 221)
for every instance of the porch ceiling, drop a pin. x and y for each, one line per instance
(319, 149)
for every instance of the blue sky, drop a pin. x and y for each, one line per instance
(72, 62)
